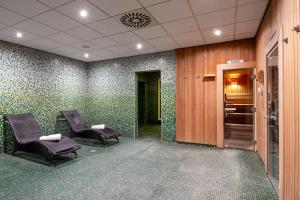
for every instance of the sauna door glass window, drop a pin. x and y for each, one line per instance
(238, 105)
(273, 116)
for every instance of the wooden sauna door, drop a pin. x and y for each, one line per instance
(221, 117)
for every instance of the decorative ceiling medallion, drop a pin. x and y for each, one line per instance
(135, 20)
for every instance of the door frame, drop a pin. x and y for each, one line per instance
(220, 97)
(277, 39)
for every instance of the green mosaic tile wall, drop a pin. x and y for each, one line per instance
(112, 91)
(41, 83)
(104, 92)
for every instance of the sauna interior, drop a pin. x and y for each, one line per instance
(149, 99)
(239, 106)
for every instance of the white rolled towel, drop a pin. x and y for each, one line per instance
(54, 137)
(99, 126)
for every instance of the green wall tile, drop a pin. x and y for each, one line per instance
(112, 91)
(104, 92)
(41, 83)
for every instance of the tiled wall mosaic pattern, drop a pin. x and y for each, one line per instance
(112, 91)
(104, 92)
(41, 83)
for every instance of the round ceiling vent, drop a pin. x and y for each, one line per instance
(135, 20)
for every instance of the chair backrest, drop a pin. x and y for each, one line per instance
(75, 120)
(25, 127)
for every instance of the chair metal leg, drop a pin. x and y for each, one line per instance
(51, 162)
(117, 140)
(13, 151)
(104, 141)
(76, 156)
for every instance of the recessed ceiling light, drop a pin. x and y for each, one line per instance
(83, 13)
(139, 46)
(86, 55)
(19, 34)
(218, 32)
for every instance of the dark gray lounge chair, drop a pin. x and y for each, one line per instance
(26, 138)
(80, 129)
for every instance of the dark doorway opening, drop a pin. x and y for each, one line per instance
(148, 104)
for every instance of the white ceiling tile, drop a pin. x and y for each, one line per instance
(66, 50)
(80, 56)
(35, 27)
(149, 50)
(181, 26)
(226, 31)
(206, 6)
(214, 19)
(56, 20)
(168, 47)
(111, 56)
(102, 52)
(247, 27)
(243, 2)
(151, 2)
(192, 44)
(128, 53)
(144, 44)
(54, 3)
(108, 27)
(104, 42)
(72, 10)
(43, 43)
(151, 32)
(119, 49)
(11, 32)
(63, 38)
(188, 37)
(95, 59)
(27, 8)
(2, 26)
(213, 40)
(245, 35)
(84, 33)
(114, 7)
(85, 46)
(9, 18)
(10, 39)
(163, 41)
(125, 38)
(251, 11)
(170, 10)
(77, 57)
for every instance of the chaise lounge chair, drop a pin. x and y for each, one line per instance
(80, 129)
(27, 135)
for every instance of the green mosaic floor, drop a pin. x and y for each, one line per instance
(139, 169)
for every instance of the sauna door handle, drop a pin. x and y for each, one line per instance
(266, 117)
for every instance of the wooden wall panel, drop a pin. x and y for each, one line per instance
(283, 14)
(297, 74)
(196, 97)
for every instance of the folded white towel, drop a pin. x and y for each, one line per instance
(99, 126)
(54, 137)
